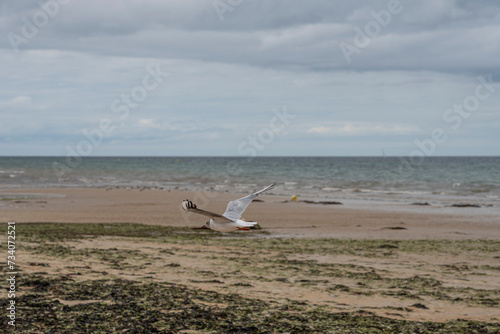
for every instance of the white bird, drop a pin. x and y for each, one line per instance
(230, 219)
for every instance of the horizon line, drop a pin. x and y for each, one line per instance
(241, 156)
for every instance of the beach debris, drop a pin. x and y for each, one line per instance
(214, 281)
(230, 220)
(394, 228)
(242, 284)
(316, 202)
(322, 202)
(294, 198)
(419, 305)
(421, 203)
(465, 205)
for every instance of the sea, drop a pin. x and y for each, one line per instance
(435, 180)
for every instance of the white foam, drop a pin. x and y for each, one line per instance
(330, 189)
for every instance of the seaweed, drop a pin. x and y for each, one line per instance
(108, 306)
(82, 298)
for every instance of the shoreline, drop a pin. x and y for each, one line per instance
(277, 215)
(439, 199)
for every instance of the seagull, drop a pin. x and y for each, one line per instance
(229, 220)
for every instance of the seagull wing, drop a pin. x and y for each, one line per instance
(191, 207)
(235, 208)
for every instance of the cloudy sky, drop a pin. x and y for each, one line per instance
(242, 77)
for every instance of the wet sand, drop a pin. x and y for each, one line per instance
(276, 214)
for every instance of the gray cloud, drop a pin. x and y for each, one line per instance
(227, 75)
(438, 35)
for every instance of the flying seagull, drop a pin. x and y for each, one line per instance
(229, 220)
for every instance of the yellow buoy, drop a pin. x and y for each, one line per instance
(294, 198)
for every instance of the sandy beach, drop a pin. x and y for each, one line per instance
(403, 262)
(278, 215)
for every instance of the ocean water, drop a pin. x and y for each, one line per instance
(439, 179)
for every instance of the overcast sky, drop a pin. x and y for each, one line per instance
(249, 77)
